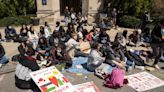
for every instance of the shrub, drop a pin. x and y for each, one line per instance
(17, 20)
(129, 22)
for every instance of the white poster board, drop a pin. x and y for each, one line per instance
(51, 80)
(87, 87)
(144, 81)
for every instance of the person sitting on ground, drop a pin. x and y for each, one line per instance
(44, 32)
(23, 36)
(57, 26)
(3, 58)
(33, 37)
(96, 59)
(63, 37)
(120, 39)
(27, 63)
(54, 39)
(58, 55)
(10, 33)
(134, 38)
(70, 29)
(104, 37)
(22, 48)
(95, 36)
(114, 56)
(47, 27)
(43, 51)
(80, 30)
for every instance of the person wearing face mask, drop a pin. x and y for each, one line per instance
(10, 33)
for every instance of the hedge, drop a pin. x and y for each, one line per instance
(129, 22)
(17, 20)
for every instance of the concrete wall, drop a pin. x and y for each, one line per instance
(49, 12)
(53, 9)
(95, 6)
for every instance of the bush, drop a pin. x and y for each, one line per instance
(17, 20)
(129, 22)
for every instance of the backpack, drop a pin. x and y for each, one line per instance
(116, 79)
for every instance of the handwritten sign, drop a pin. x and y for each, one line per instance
(144, 81)
(87, 87)
(51, 80)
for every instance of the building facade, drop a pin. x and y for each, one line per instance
(52, 10)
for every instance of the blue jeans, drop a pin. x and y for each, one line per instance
(4, 60)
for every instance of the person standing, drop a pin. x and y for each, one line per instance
(67, 15)
(114, 17)
(157, 42)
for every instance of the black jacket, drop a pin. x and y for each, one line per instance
(156, 34)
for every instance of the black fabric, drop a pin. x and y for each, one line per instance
(135, 58)
(156, 34)
(2, 51)
(22, 84)
(29, 63)
(104, 37)
(21, 50)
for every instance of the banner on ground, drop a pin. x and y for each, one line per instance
(51, 80)
(144, 81)
(87, 87)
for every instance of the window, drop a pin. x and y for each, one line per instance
(44, 2)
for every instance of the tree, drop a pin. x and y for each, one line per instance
(131, 7)
(16, 7)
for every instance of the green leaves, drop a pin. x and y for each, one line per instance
(16, 7)
(132, 7)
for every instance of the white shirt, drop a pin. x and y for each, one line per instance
(72, 42)
(32, 36)
(47, 33)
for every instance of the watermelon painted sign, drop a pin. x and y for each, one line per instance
(51, 80)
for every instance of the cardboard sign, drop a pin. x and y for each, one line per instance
(144, 81)
(87, 87)
(51, 80)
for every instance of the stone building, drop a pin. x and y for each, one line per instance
(52, 10)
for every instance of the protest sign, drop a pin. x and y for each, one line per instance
(51, 80)
(144, 81)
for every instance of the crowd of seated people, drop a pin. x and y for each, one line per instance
(47, 48)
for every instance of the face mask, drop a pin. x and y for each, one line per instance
(58, 51)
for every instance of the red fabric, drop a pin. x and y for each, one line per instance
(30, 58)
(89, 37)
